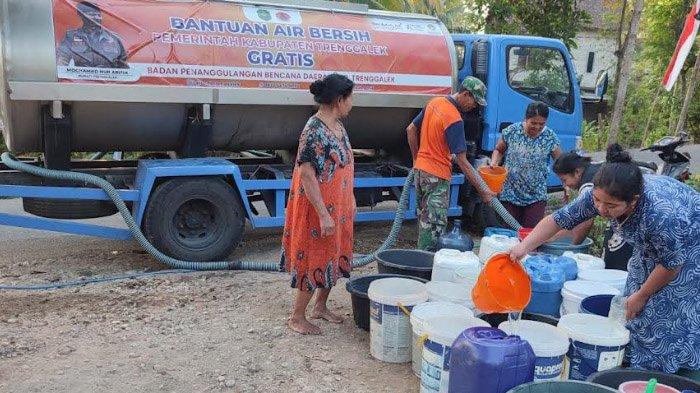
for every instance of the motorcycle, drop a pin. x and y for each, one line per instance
(675, 164)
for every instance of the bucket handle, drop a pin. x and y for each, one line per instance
(422, 339)
(404, 309)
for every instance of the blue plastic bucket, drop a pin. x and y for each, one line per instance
(547, 280)
(597, 304)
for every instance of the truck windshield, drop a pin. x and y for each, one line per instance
(540, 74)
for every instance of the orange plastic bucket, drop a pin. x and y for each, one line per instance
(494, 177)
(502, 286)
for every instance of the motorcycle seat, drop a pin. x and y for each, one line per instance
(650, 165)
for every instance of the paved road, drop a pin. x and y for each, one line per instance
(648, 156)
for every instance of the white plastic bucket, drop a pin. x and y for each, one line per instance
(614, 278)
(495, 243)
(442, 332)
(446, 291)
(575, 291)
(549, 343)
(423, 312)
(447, 261)
(597, 344)
(585, 261)
(389, 325)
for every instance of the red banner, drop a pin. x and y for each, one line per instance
(230, 45)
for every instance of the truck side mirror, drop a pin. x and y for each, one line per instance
(601, 85)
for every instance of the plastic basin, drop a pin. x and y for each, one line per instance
(617, 376)
(412, 263)
(563, 245)
(357, 286)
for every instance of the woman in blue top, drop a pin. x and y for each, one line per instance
(527, 147)
(660, 217)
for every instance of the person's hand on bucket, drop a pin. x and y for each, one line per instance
(517, 252)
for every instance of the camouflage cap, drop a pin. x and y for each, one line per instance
(476, 88)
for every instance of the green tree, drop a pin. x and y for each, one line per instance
(451, 12)
(561, 19)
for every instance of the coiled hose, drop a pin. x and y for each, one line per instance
(174, 263)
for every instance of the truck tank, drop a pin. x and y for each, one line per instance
(127, 74)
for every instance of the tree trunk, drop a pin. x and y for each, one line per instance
(620, 44)
(625, 70)
(652, 114)
(689, 94)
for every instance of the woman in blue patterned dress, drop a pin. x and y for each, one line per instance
(527, 147)
(660, 217)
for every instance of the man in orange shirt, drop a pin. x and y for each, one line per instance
(435, 136)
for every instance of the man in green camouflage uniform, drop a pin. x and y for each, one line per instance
(436, 136)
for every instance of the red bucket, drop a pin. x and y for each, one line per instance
(523, 232)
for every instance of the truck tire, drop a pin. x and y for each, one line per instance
(194, 219)
(68, 209)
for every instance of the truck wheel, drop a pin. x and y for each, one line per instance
(194, 219)
(68, 209)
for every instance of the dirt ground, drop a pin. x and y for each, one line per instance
(215, 331)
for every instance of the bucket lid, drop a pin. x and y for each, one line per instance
(594, 330)
(445, 329)
(585, 261)
(546, 340)
(581, 289)
(608, 276)
(392, 291)
(449, 291)
(426, 310)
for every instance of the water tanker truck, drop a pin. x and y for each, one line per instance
(211, 97)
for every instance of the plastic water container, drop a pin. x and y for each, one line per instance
(493, 244)
(566, 264)
(455, 238)
(575, 291)
(419, 315)
(441, 333)
(500, 231)
(597, 344)
(488, 360)
(446, 291)
(585, 261)
(549, 343)
(447, 261)
(547, 281)
(612, 277)
(389, 325)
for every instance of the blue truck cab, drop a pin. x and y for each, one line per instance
(518, 70)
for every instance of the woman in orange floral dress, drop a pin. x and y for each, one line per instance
(318, 230)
